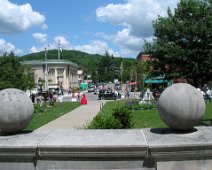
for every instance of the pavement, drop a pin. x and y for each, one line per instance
(77, 118)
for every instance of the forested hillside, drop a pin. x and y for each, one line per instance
(94, 64)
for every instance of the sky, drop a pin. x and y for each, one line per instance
(119, 27)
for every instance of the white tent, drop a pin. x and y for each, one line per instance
(148, 95)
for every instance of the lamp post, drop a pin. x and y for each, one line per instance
(40, 83)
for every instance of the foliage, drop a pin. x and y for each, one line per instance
(138, 118)
(106, 67)
(114, 115)
(92, 64)
(14, 74)
(123, 115)
(140, 72)
(184, 42)
(104, 122)
(119, 119)
(43, 114)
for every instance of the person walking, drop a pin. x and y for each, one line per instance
(127, 93)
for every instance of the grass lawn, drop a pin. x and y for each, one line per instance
(208, 114)
(148, 118)
(45, 114)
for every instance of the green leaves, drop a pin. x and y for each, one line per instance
(184, 41)
(15, 75)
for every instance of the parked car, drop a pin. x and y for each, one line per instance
(108, 95)
(117, 86)
(91, 88)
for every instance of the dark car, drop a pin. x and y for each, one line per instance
(108, 95)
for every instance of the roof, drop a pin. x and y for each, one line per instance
(50, 62)
(144, 57)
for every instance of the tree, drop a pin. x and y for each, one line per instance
(15, 75)
(142, 71)
(106, 68)
(183, 43)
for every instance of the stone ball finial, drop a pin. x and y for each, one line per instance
(181, 106)
(16, 110)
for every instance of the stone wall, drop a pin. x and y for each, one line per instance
(136, 149)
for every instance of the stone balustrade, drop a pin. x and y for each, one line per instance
(136, 149)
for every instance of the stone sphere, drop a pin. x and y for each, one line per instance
(181, 106)
(16, 110)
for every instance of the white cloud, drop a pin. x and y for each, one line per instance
(6, 47)
(124, 39)
(35, 49)
(63, 41)
(136, 17)
(42, 38)
(18, 18)
(44, 26)
(96, 47)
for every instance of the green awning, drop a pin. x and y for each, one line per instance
(155, 81)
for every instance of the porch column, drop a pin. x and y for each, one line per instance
(55, 74)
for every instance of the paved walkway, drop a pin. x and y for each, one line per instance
(76, 118)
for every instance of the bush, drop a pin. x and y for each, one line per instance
(124, 116)
(103, 122)
(120, 119)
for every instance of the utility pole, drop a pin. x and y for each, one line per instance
(46, 70)
(121, 72)
(59, 49)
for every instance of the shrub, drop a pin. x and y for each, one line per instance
(124, 116)
(104, 122)
(120, 119)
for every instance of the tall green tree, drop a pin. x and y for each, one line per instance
(106, 68)
(15, 75)
(183, 43)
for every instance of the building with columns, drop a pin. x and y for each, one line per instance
(59, 73)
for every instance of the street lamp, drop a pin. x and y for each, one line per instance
(40, 84)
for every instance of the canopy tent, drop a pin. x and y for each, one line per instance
(148, 95)
(132, 83)
(83, 86)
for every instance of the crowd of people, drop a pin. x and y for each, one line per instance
(105, 92)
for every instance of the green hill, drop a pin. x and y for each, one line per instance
(91, 63)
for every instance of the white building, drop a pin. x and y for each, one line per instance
(59, 73)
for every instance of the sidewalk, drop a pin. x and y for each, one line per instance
(76, 118)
